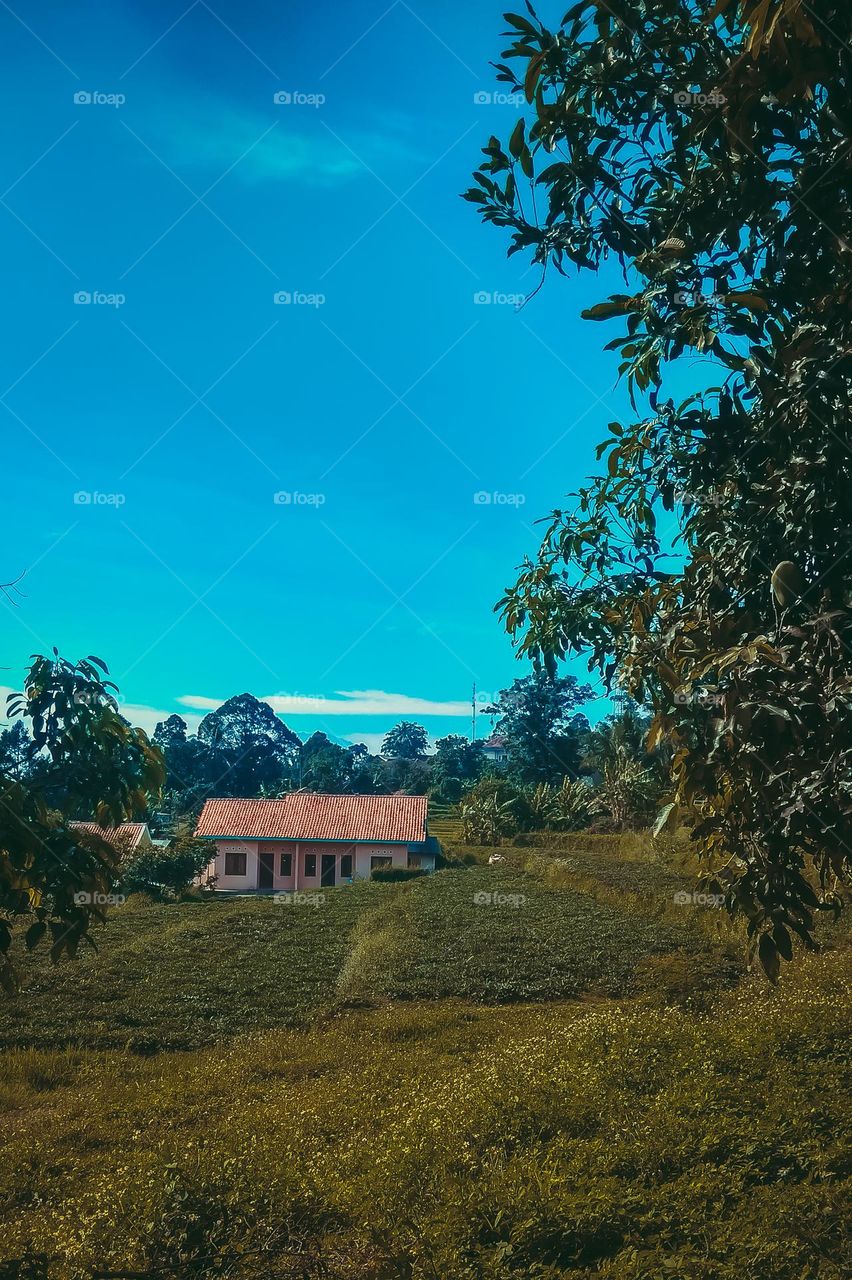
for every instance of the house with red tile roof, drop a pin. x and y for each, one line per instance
(128, 839)
(494, 749)
(307, 840)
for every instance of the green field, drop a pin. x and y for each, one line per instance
(577, 1079)
(184, 975)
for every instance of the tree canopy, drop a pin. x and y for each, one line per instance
(51, 874)
(407, 740)
(706, 150)
(543, 732)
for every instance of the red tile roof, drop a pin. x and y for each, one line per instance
(308, 815)
(123, 839)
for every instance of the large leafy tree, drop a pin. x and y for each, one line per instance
(455, 767)
(51, 874)
(406, 740)
(542, 730)
(706, 149)
(253, 747)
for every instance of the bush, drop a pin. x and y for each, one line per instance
(389, 875)
(166, 872)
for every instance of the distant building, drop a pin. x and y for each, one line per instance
(308, 840)
(494, 749)
(128, 839)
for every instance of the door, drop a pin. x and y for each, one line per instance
(265, 869)
(327, 875)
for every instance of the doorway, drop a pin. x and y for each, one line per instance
(327, 872)
(265, 869)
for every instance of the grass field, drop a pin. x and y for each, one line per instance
(412, 1081)
(183, 975)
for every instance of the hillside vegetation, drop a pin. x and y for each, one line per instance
(576, 1078)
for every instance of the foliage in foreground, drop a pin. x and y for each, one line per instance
(706, 149)
(95, 764)
(620, 1143)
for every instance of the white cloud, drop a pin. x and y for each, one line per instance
(148, 718)
(143, 717)
(345, 702)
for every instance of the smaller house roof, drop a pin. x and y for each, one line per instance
(310, 815)
(124, 838)
(496, 742)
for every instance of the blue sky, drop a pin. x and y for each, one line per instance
(375, 403)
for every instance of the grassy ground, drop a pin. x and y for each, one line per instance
(184, 975)
(400, 1083)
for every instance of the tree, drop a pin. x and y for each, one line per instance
(251, 744)
(542, 732)
(17, 752)
(406, 740)
(165, 872)
(456, 765)
(705, 151)
(51, 875)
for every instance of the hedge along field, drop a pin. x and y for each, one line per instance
(183, 975)
(620, 1142)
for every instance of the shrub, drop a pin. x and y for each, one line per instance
(389, 875)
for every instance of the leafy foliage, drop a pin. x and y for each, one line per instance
(165, 872)
(51, 876)
(456, 765)
(407, 740)
(706, 152)
(540, 726)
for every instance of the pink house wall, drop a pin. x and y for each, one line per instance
(361, 856)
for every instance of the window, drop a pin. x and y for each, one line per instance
(310, 864)
(346, 866)
(413, 862)
(285, 867)
(378, 861)
(235, 862)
